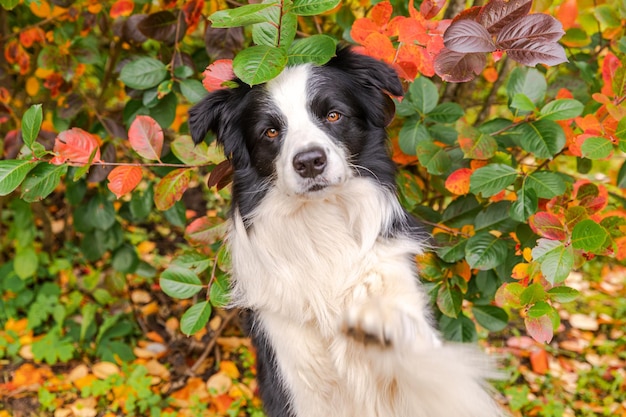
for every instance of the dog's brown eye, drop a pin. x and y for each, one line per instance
(333, 116)
(271, 133)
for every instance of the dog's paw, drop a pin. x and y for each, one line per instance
(373, 324)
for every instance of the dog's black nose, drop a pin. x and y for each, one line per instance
(310, 163)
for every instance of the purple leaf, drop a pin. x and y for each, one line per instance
(533, 52)
(535, 27)
(468, 36)
(458, 67)
(499, 13)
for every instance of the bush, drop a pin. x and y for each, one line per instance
(516, 166)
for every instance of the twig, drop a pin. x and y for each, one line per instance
(229, 316)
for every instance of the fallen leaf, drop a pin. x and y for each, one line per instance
(583, 322)
(103, 370)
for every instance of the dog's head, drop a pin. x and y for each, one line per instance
(308, 130)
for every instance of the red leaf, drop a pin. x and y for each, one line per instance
(471, 13)
(124, 179)
(459, 181)
(539, 328)
(205, 230)
(548, 225)
(171, 188)
(609, 67)
(121, 8)
(76, 145)
(458, 67)
(146, 137)
(498, 13)
(221, 175)
(532, 53)
(468, 36)
(410, 30)
(430, 8)
(539, 28)
(31, 36)
(217, 74)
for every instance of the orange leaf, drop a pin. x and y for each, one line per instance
(171, 188)
(204, 230)
(28, 374)
(76, 145)
(31, 36)
(121, 8)
(411, 30)
(610, 64)
(124, 179)
(459, 181)
(567, 14)
(146, 137)
(217, 74)
(381, 13)
(193, 12)
(362, 28)
(539, 361)
(379, 46)
(490, 74)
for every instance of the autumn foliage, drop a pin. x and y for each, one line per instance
(510, 142)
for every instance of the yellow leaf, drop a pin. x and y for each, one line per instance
(520, 271)
(84, 381)
(32, 86)
(527, 253)
(230, 369)
(219, 383)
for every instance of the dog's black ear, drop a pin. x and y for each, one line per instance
(206, 115)
(368, 71)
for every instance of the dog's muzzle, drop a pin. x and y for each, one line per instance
(310, 163)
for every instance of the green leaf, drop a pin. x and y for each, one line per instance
(557, 264)
(545, 184)
(491, 318)
(143, 73)
(433, 157)
(597, 147)
(413, 132)
(621, 175)
(450, 248)
(485, 251)
(268, 32)
(563, 294)
(525, 206)
(449, 301)
(318, 49)
(180, 282)
(31, 124)
(491, 179)
(527, 81)
(460, 329)
(195, 318)
(25, 262)
(543, 138)
(219, 293)
(447, 112)
(259, 64)
(100, 212)
(521, 102)
(241, 16)
(125, 259)
(312, 7)
(588, 236)
(42, 181)
(171, 188)
(620, 132)
(423, 95)
(9, 4)
(532, 294)
(493, 217)
(12, 173)
(561, 109)
(193, 90)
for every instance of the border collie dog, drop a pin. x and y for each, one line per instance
(324, 255)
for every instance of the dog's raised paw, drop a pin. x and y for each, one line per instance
(371, 324)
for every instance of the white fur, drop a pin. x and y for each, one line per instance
(317, 272)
